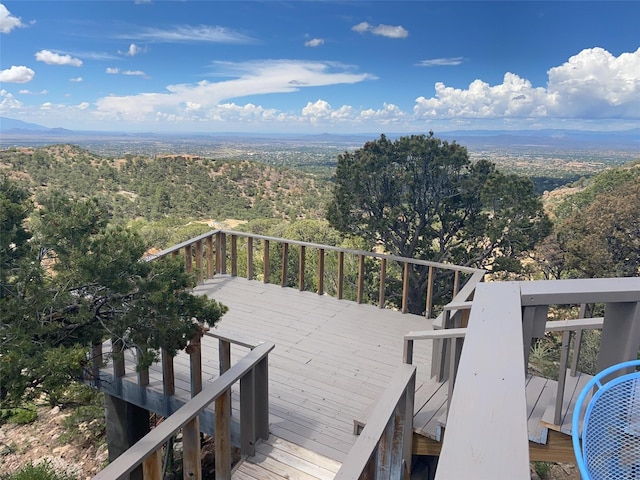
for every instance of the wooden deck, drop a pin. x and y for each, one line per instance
(332, 360)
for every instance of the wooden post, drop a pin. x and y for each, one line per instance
(194, 349)
(152, 466)
(199, 275)
(429, 304)
(321, 271)
(248, 414)
(234, 255)
(249, 258)
(562, 375)
(383, 279)
(222, 427)
(405, 287)
(265, 267)
(191, 462)
(224, 355)
(340, 274)
(262, 397)
(143, 375)
(360, 278)
(168, 382)
(285, 264)
(301, 267)
(210, 265)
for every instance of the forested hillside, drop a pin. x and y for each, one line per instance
(186, 187)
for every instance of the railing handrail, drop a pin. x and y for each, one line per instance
(355, 252)
(389, 431)
(150, 443)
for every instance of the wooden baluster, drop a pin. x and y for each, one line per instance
(321, 271)
(223, 253)
(210, 264)
(429, 304)
(250, 258)
(222, 429)
(219, 252)
(360, 278)
(340, 274)
(301, 267)
(234, 255)
(285, 265)
(456, 282)
(383, 280)
(143, 373)
(168, 379)
(265, 270)
(405, 287)
(199, 275)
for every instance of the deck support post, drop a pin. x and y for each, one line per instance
(126, 424)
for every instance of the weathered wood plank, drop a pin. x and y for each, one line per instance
(488, 414)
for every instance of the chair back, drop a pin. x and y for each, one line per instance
(606, 439)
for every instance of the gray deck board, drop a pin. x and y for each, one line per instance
(333, 358)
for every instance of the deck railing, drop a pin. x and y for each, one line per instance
(219, 252)
(383, 449)
(621, 297)
(251, 372)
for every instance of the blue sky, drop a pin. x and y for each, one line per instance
(320, 66)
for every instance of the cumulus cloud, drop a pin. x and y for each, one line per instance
(591, 84)
(9, 102)
(52, 58)
(7, 21)
(191, 34)
(76, 79)
(389, 31)
(17, 74)
(249, 78)
(112, 70)
(133, 50)
(440, 62)
(314, 42)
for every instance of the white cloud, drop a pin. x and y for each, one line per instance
(592, 84)
(29, 92)
(112, 70)
(9, 102)
(138, 73)
(191, 34)
(76, 79)
(314, 42)
(52, 58)
(7, 21)
(17, 74)
(439, 62)
(133, 50)
(595, 83)
(251, 78)
(389, 31)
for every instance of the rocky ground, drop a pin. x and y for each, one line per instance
(47, 439)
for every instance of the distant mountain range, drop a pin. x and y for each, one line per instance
(14, 131)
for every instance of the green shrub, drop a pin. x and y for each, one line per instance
(19, 416)
(41, 471)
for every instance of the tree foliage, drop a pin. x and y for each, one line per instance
(603, 238)
(79, 280)
(420, 197)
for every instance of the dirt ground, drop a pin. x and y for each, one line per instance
(44, 439)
